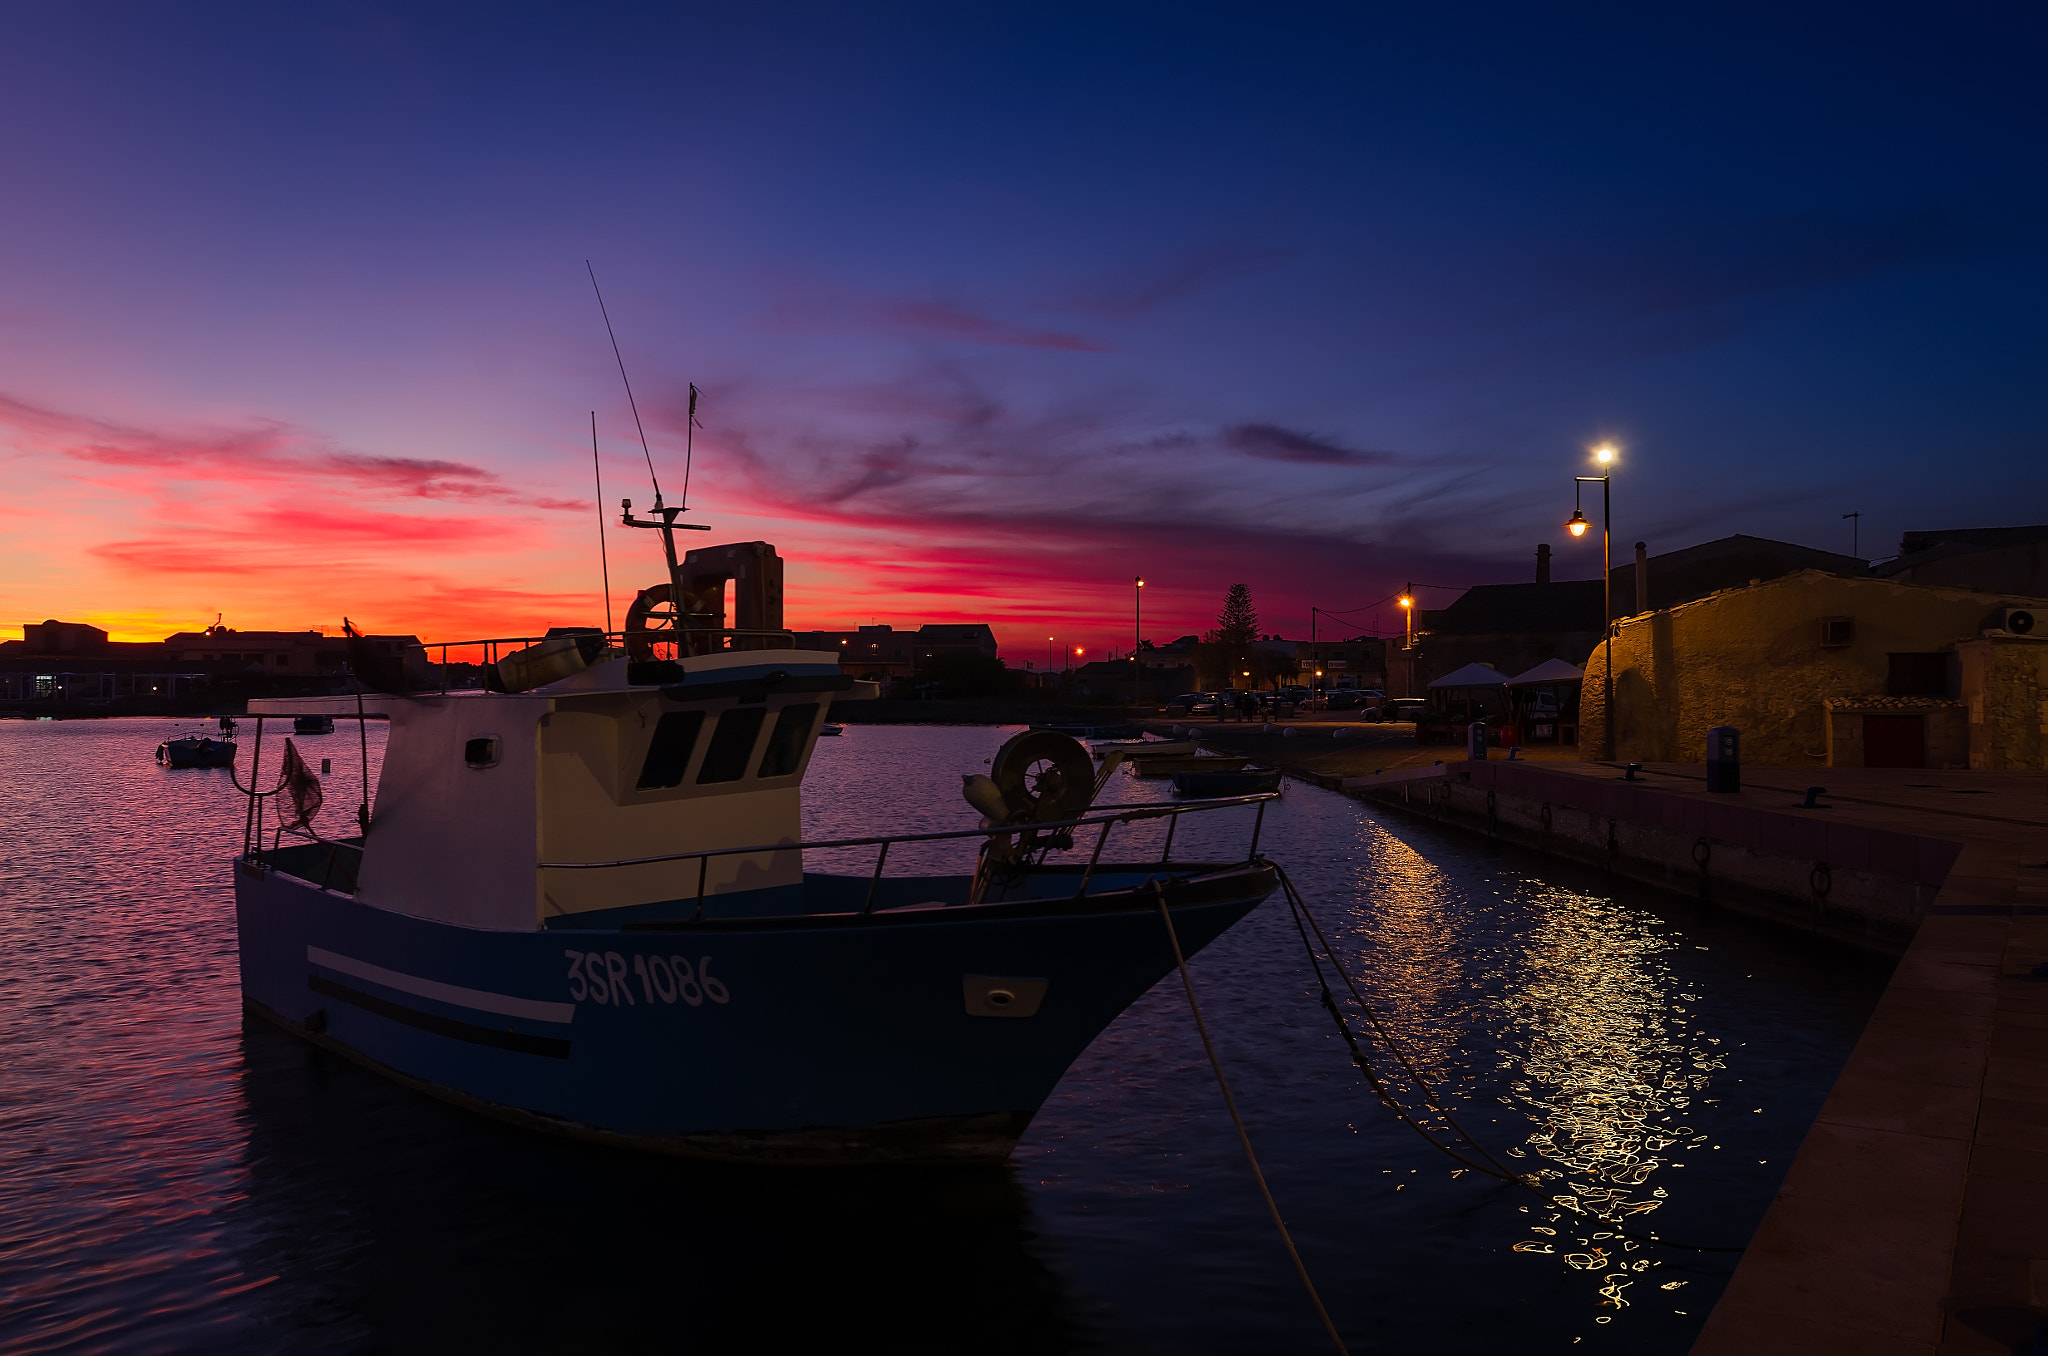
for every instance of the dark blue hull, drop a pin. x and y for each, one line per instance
(915, 1034)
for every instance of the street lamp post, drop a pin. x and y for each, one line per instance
(1577, 526)
(1137, 640)
(1408, 614)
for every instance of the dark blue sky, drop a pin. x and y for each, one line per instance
(993, 308)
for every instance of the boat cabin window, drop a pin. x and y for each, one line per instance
(675, 736)
(480, 752)
(732, 744)
(786, 744)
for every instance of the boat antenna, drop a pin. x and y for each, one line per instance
(628, 382)
(690, 442)
(603, 563)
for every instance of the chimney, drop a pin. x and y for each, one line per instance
(1642, 578)
(1543, 563)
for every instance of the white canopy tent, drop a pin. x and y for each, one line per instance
(1549, 671)
(1472, 675)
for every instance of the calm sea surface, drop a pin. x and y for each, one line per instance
(174, 1177)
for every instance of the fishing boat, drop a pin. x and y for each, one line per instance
(1243, 783)
(832, 728)
(312, 725)
(196, 751)
(580, 901)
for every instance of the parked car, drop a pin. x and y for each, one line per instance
(1343, 699)
(1403, 708)
(1184, 704)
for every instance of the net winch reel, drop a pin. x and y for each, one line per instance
(1038, 777)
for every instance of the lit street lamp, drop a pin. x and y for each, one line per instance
(1577, 525)
(1408, 613)
(1137, 640)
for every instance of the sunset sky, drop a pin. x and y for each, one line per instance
(994, 307)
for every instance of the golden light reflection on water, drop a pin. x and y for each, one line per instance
(1419, 955)
(1594, 1041)
(1609, 1068)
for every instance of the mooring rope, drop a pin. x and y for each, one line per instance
(1492, 1167)
(1243, 1138)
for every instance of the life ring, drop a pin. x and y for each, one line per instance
(694, 636)
(1044, 777)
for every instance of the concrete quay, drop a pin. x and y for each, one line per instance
(1914, 1218)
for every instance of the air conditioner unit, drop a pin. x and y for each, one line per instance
(2018, 620)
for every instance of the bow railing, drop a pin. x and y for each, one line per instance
(1171, 811)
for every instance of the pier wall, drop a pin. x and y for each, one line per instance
(1869, 887)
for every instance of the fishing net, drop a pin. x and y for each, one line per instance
(301, 787)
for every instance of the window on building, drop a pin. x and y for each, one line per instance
(786, 743)
(1837, 630)
(732, 743)
(675, 736)
(1916, 675)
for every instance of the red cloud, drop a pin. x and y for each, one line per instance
(263, 450)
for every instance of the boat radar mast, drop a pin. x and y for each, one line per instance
(664, 522)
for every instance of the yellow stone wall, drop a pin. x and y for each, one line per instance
(1753, 658)
(2005, 682)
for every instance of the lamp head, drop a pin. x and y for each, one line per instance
(1577, 524)
(1141, 583)
(1604, 454)
(1406, 601)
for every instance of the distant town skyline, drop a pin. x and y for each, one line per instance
(993, 309)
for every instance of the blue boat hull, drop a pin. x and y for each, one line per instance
(821, 1037)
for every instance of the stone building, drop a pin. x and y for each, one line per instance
(1513, 627)
(1818, 669)
(1360, 662)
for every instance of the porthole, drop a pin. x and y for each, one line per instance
(481, 752)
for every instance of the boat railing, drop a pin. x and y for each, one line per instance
(697, 640)
(1171, 811)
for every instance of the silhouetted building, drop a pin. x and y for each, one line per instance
(72, 664)
(1986, 559)
(879, 653)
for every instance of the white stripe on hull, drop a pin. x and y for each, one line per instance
(482, 1001)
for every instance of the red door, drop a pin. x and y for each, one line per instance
(1894, 741)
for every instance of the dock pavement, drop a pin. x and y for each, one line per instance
(1914, 1219)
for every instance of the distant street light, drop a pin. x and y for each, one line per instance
(1137, 640)
(1576, 525)
(1407, 601)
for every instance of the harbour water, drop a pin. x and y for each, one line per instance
(174, 1177)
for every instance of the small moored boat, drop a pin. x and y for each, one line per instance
(1171, 767)
(1244, 783)
(1134, 749)
(196, 751)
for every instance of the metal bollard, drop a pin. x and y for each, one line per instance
(1475, 741)
(1724, 758)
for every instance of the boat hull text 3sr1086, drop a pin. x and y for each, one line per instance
(583, 906)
